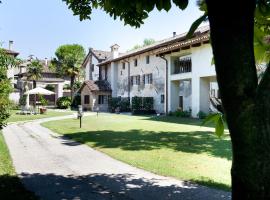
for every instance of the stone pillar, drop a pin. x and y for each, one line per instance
(204, 94)
(59, 90)
(195, 96)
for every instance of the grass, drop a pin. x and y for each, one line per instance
(167, 146)
(10, 185)
(50, 113)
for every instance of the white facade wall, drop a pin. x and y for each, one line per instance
(88, 72)
(193, 86)
(156, 66)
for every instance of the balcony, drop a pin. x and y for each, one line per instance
(182, 65)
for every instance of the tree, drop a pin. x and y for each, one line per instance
(68, 61)
(34, 71)
(146, 42)
(245, 100)
(5, 85)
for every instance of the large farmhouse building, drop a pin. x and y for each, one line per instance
(177, 72)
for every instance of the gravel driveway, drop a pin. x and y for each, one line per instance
(57, 168)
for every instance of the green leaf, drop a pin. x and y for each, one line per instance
(211, 118)
(182, 4)
(219, 130)
(195, 25)
(213, 61)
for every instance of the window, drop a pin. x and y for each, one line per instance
(100, 99)
(162, 98)
(93, 67)
(86, 99)
(147, 59)
(121, 72)
(182, 65)
(148, 78)
(123, 65)
(213, 93)
(135, 80)
(135, 62)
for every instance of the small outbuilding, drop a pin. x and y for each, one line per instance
(95, 95)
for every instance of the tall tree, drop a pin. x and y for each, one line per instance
(34, 71)
(6, 61)
(68, 61)
(146, 42)
(245, 101)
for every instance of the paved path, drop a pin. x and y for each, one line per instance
(57, 168)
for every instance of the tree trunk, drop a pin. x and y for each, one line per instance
(72, 79)
(246, 103)
(35, 96)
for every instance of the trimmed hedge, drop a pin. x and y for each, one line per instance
(123, 103)
(142, 105)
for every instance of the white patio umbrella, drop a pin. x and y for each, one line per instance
(37, 90)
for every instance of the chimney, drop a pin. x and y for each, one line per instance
(174, 34)
(46, 61)
(114, 50)
(10, 45)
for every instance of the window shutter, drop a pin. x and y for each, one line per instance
(151, 78)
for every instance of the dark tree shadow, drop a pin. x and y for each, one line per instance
(181, 120)
(114, 186)
(190, 142)
(11, 188)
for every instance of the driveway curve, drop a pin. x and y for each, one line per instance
(55, 168)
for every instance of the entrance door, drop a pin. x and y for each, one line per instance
(181, 102)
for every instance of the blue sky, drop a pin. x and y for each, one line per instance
(38, 27)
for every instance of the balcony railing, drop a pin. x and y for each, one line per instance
(183, 65)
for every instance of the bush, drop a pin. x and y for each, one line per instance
(63, 102)
(13, 105)
(143, 105)
(201, 115)
(43, 101)
(22, 100)
(76, 101)
(180, 113)
(122, 103)
(50, 87)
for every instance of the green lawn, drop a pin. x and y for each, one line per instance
(50, 113)
(10, 185)
(164, 145)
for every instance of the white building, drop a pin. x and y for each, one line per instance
(177, 72)
(91, 70)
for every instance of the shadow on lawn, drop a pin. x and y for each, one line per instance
(114, 187)
(181, 120)
(191, 142)
(11, 188)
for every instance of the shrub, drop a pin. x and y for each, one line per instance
(76, 101)
(122, 103)
(136, 103)
(63, 102)
(201, 115)
(50, 87)
(13, 105)
(22, 100)
(148, 103)
(143, 105)
(180, 113)
(43, 101)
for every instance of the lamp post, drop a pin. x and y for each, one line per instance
(80, 114)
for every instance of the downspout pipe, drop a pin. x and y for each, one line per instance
(128, 78)
(166, 84)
